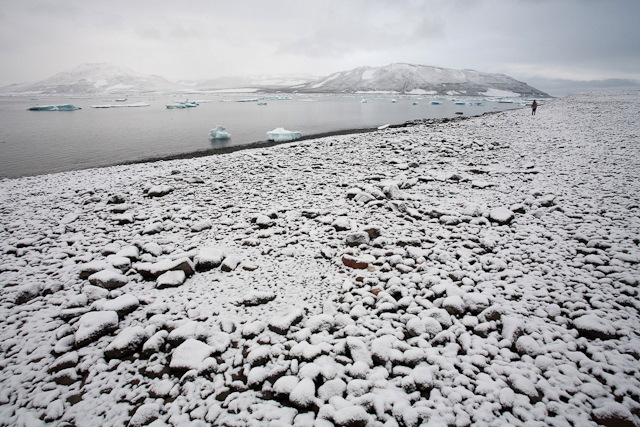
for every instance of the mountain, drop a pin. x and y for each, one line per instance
(105, 78)
(94, 79)
(420, 79)
(267, 81)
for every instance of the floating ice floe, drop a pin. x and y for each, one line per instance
(363, 101)
(64, 107)
(183, 104)
(434, 102)
(281, 134)
(136, 104)
(219, 133)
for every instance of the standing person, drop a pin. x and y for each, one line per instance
(533, 107)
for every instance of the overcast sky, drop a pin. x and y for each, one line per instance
(541, 42)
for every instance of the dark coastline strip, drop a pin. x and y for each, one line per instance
(265, 144)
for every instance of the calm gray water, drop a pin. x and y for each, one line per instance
(41, 142)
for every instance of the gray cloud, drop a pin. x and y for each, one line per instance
(527, 39)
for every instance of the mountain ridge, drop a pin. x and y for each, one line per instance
(400, 78)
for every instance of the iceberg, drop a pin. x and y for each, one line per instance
(281, 135)
(136, 104)
(64, 107)
(219, 133)
(434, 103)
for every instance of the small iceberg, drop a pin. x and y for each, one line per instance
(183, 104)
(262, 103)
(219, 133)
(136, 104)
(363, 101)
(393, 101)
(415, 103)
(64, 107)
(434, 103)
(281, 135)
(464, 103)
(383, 127)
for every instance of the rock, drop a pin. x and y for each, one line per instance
(593, 326)
(454, 304)
(209, 258)
(351, 416)
(190, 355)
(527, 345)
(230, 263)
(171, 279)
(67, 360)
(65, 376)
(159, 190)
(613, 414)
(281, 324)
(116, 199)
(364, 197)
(320, 322)
(356, 239)
(152, 248)
(285, 385)
(303, 394)
(92, 267)
(353, 262)
(26, 293)
(144, 415)
(219, 341)
(263, 221)
(359, 351)
(123, 305)
(125, 218)
(94, 293)
(95, 324)
(257, 298)
(155, 343)
(373, 231)
(153, 228)
(189, 330)
(125, 343)
(119, 262)
(184, 264)
(201, 226)
(130, 252)
(501, 215)
(110, 249)
(108, 279)
(341, 223)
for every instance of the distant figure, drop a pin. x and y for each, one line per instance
(533, 108)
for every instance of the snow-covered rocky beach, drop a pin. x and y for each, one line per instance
(479, 272)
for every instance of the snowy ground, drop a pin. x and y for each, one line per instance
(476, 272)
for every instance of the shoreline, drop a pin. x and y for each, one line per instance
(262, 144)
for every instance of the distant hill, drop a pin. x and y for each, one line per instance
(421, 79)
(104, 78)
(93, 79)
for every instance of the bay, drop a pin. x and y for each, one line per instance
(42, 142)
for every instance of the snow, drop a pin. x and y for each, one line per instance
(459, 313)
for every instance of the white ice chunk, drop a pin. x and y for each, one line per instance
(219, 133)
(281, 135)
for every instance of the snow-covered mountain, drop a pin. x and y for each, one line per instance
(96, 78)
(420, 79)
(265, 81)
(395, 78)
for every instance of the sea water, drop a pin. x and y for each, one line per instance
(41, 142)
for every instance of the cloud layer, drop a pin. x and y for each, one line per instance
(527, 39)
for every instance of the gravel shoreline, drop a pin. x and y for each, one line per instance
(470, 272)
